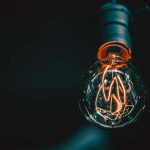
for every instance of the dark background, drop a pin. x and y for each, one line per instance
(45, 48)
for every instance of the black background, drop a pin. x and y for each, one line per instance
(45, 48)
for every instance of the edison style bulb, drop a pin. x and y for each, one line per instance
(113, 95)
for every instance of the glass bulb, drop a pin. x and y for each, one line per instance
(113, 95)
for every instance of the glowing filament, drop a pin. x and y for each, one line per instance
(114, 96)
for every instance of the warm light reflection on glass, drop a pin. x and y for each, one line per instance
(114, 94)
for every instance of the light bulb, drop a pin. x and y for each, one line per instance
(114, 95)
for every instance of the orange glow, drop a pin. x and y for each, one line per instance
(114, 95)
(104, 55)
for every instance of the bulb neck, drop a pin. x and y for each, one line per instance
(114, 52)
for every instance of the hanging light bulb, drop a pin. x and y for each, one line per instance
(113, 95)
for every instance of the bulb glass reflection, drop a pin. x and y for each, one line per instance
(113, 95)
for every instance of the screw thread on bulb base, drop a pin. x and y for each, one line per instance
(114, 24)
